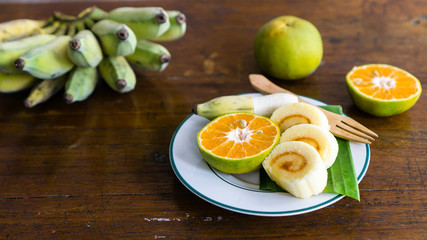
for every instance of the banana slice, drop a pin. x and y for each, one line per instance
(322, 140)
(292, 114)
(297, 168)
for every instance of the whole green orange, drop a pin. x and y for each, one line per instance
(288, 47)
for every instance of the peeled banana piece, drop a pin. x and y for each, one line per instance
(48, 61)
(149, 56)
(321, 139)
(297, 168)
(145, 22)
(11, 82)
(263, 105)
(292, 114)
(10, 51)
(116, 39)
(118, 74)
(84, 49)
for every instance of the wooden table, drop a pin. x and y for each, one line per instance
(100, 169)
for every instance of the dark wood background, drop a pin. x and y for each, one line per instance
(100, 169)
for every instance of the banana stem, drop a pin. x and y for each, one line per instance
(89, 22)
(72, 28)
(62, 29)
(80, 26)
(86, 13)
(59, 16)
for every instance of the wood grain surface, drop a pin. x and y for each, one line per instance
(100, 169)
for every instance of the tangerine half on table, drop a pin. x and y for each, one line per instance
(382, 90)
(238, 142)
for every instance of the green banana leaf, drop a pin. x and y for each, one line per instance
(342, 177)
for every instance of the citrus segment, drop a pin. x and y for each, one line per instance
(382, 90)
(237, 143)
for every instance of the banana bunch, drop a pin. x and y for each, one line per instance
(71, 53)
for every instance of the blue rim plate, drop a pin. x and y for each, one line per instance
(239, 192)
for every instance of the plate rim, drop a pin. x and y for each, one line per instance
(254, 212)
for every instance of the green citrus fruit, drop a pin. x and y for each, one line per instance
(382, 90)
(288, 47)
(238, 142)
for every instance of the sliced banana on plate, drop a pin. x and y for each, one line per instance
(322, 140)
(292, 114)
(297, 168)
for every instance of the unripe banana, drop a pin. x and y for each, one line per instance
(80, 84)
(224, 105)
(146, 22)
(15, 82)
(118, 74)
(321, 139)
(44, 90)
(116, 39)
(149, 56)
(19, 28)
(263, 105)
(297, 168)
(48, 61)
(289, 115)
(84, 50)
(10, 51)
(98, 14)
(178, 26)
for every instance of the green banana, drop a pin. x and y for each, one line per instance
(15, 82)
(178, 26)
(80, 84)
(48, 61)
(116, 39)
(10, 51)
(84, 50)
(223, 105)
(146, 22)
(149, 56)
(118, 74)
(44, 90)
(264, 105)
(98, 14)
(19, 28)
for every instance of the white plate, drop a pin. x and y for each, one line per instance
(240, 193)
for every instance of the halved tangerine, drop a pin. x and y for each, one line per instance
(382, 90)
(238, 142)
